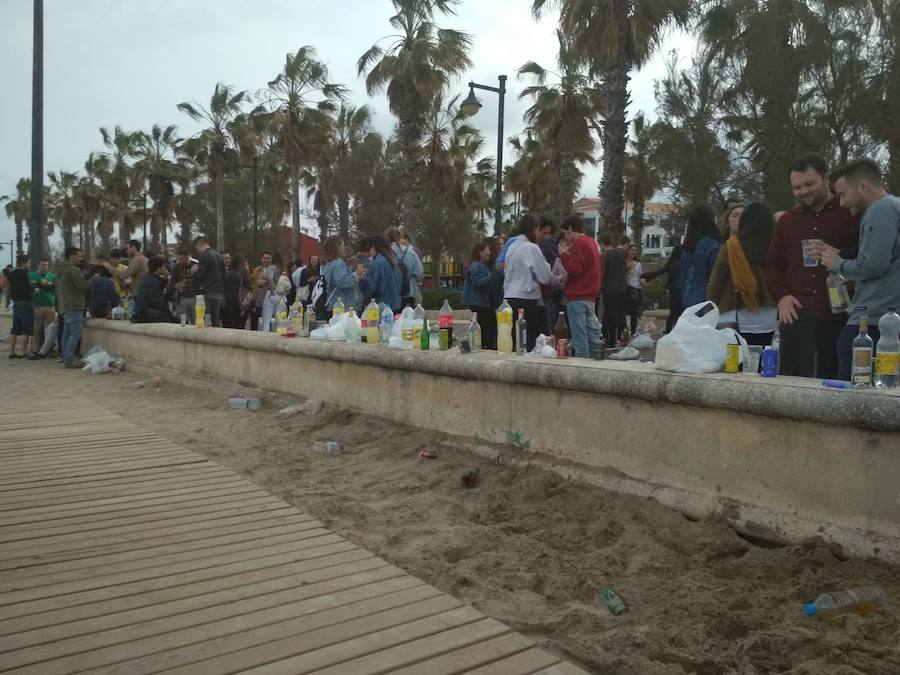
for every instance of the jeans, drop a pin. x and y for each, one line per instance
(74, 321)
(583, 326)
(186, 305)
(845, 348)
(214, 304)
(809, 347)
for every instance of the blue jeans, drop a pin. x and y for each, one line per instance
(74, 327)
(845, 348)
(583, 326)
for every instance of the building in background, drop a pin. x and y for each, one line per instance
(656, 239)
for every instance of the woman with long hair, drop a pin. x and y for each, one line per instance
(239, 300)
(699, 252)
(737, 284)
(477, 293)
(633, 271)
(341, 283)
(526, 269)
(306, 279)
(732, 220)
(385, 277)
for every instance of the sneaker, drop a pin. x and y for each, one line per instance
(13, 355)
(36, 356)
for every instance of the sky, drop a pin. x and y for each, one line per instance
(130, 62)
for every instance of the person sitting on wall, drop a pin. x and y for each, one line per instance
(150, 305)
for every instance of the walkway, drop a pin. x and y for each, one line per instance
(121, 552)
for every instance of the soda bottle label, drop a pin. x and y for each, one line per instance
(407, 334)
(504, 318)
(445, 321)
(886, 363)
(837, 302)
(732, 358)
(373, 315)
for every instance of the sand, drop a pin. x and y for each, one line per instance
(525, 546)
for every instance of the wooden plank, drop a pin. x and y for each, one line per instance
(198, 532)
(474, 656)
(125, 465)
(75, 495)
(54, 512)
(346, 649)
(147, 522)
(260, 645)
(523, 663)
(563, 668)
(310, 571)
(86, 455)
(145, 513)
(77, 444)
(41, 422)
(86, 652)
(261, 555)
(78, 606)
(294, 538)
(29, 466)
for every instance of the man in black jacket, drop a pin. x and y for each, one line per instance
(209, 280)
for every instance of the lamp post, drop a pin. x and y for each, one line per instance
(471, 106)
(37, 137)
(144, 243)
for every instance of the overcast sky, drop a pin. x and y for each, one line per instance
(130, 62)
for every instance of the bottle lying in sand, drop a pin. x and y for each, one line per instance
(862, 601)
(613, 602)
(238, 403)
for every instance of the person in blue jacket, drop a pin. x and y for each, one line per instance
(698, 254)
(385, 277)
(477, 293)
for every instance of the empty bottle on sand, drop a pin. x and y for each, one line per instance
(887, 351)
(239, 403)
(863, 601)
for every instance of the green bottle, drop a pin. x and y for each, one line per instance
(425, 341)
(613, 602)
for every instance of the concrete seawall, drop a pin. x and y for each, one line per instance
(783, 459)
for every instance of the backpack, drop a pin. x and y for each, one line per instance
(318, 299)
(404, 283)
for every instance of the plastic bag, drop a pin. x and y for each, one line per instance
(97, 361)
(333, 331)
(642, 340)
(694, 345)
(395, 340)
(543, 348)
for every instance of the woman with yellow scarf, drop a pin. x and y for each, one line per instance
(736, 283)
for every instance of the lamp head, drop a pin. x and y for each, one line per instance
(471, 105)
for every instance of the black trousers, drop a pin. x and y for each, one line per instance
(487, 319)
(809, 347)
(534, 317)
(615, 306)
(675, 308)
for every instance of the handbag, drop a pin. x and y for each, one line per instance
(246, 298)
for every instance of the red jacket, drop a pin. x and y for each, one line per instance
(582, 264)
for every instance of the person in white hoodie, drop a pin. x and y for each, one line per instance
(526, 269)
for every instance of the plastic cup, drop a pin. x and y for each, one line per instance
(183, 320)
(751, 359)
(810, 259)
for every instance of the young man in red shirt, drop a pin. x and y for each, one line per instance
(809, 331)
(581, 260)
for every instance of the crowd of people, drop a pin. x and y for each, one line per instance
(766, 272)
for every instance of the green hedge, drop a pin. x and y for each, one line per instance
(433, 298)
(655, 293)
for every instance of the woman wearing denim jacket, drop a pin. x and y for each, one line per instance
(477, 293)
(383, 281)
(341, 283)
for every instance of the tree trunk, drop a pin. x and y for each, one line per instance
(568, 186)
(324, 225)
(220, 212)
(295, 210)
(164, 237)
(409, 135)
(19, 238)
(893, 176)
(87, 244)
(124, 231)
(637, 219)
(615, 138)
(185, 235)
(343, 204)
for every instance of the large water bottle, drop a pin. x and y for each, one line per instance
(887, 351)
(856, 600)
(406, 327)
(418, 325)
(504, 328)
(387, 325)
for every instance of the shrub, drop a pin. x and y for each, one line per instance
(655, 293)
(433, 298)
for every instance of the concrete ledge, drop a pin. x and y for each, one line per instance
(783, 459)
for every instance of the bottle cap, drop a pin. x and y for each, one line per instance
(810, 609)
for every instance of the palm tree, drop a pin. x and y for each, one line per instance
(885, 88)
(214, 146)
(118, 179)
(641, 177)
(615, 37)
(297, 103)
(62, 207)
(531, 177)
(418, 62)
(352, 126)
(563, 114)
(89, 199)
(159, 169)
(18, 208)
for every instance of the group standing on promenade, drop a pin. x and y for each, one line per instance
(766, 272)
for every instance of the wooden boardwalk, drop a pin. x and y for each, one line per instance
(121, 552)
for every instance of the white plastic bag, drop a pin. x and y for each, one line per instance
(694, 345)
(642, 340)
(99, 361)
(334, 331)
(542, 348)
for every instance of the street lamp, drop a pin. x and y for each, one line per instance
(470, 106)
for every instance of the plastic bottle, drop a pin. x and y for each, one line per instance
(373, 321)
(352, 330)
(864, 600)
(387, 325)
(504, 328)
(838, 295)
(887, 352)
(338, 307)
(297, 318)
(776, 345)
(863, 348)
(436, 336)
(521, 334)
(200, 312)
(406, 328)
(475, 335)
(418, 324)
(238, 403)
(445, 320)
(281, 317)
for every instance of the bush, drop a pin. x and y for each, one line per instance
(433, 298)
(655, 293)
